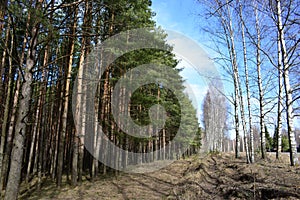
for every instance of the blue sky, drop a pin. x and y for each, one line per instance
(177, 15)
(181, 16)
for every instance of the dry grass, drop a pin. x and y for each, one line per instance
(218, 176)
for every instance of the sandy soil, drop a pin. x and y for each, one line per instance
(212, 176)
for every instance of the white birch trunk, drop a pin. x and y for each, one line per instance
(251, 145)
(288, 89)
(280, 98)
(235, 78)
(260, 87)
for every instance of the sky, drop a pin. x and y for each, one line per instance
(183, 16)
(177, 15)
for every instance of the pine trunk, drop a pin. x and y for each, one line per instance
(7, 101)
(68, 82)
(14, 176)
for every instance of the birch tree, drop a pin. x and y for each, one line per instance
(288, 90)
(259, 83)
(214, 118)
(251, 144)
(280, 100)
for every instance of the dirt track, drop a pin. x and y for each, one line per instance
(199, 177)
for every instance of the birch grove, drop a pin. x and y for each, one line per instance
(254, 33)
(214, 118)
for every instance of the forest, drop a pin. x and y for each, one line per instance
(93, 104)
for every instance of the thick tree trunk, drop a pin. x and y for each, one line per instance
(14, 176)
(80, 134)
(14, 111)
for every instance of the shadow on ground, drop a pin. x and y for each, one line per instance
(212, 176)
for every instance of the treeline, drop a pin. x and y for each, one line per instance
(257, 46)
(44, 45)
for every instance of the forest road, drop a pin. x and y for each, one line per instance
(212, 176)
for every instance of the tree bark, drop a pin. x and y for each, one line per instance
(251, 144)
(235, 79)
(280, 98)
(14, 176)
(7, 100)
(288, 89)
(260, 87)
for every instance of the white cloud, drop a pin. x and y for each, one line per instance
(191, 52)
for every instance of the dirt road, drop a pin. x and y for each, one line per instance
(198, 177)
